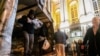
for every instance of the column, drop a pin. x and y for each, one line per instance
(7, 24)
(62, 10)
(85, 11)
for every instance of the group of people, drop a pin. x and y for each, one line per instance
(91, 41)
(31, 23)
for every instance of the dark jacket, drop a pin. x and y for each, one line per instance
(28, 27)
(60, 37)
(44, 31)
(93, 41)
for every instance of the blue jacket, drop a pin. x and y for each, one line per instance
(60, 37)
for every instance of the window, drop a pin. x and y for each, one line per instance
(74, 14)
(96, 5)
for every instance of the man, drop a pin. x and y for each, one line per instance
(28, 31)
(92, 38)
(60, 40)
(42, 34)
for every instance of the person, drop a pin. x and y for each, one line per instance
(60, 41)
(73, 48)
(28, 31)
(42, 34)
(80, 50)
(92, 38)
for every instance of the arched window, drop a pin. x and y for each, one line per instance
(74, 12)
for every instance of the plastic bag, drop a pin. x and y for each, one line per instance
(46, 45)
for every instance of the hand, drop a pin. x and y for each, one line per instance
(41, 38)
(29, 20)
(82, 47)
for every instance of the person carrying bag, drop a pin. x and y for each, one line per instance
(44, 44)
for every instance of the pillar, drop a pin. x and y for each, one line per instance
(85, 10)
(6, 26)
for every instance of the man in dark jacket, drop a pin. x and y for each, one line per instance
(92, 38)
(28, 31)
(60, 40)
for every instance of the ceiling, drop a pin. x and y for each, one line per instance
(25, 5)
(27, 2)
